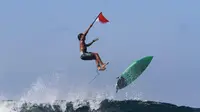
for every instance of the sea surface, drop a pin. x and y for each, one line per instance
(48, 94)
(86, 106)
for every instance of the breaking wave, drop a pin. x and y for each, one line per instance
(86, 106)
(44, 96)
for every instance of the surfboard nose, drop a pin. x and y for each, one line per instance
(147, 59)
(150, 58)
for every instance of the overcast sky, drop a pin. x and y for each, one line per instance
(39, 38)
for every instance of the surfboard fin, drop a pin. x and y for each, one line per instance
(116, 90)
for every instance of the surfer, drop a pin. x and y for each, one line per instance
(85, 55)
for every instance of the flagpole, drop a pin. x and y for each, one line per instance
(96, 18)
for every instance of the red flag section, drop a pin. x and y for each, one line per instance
(101, 18)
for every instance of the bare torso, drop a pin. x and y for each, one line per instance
(82, 46)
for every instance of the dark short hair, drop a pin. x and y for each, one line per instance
(79, 36)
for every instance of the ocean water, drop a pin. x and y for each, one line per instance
(87, 106)
(44, 96)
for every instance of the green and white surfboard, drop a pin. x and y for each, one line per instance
(133, 72)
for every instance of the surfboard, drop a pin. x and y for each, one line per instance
(134, 70)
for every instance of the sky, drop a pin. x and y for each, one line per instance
(39, 38)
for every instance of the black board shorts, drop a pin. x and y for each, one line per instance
(87, 56)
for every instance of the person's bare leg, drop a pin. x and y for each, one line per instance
(98, 64)
(98, 58)
(103, 65)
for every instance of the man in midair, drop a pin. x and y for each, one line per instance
(85, 55)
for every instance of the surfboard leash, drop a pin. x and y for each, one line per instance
(95, 76)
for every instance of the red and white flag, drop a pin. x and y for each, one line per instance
(101, 18)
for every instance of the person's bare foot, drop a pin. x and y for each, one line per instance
(103, 67)
(98, 67)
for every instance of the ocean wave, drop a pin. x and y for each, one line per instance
(85, 106)
(44, 96)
